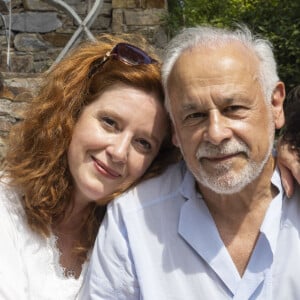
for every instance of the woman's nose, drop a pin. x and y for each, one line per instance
(119, 148)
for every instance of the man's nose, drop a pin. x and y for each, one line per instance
(217, 129)
(119, 148)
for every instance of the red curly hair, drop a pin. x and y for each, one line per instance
(36, 160)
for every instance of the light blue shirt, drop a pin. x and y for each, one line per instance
(159, 242)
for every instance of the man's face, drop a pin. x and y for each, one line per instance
(222, 123)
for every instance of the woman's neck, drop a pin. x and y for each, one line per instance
(69, 232)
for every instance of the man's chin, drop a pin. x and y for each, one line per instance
(224, 188)
(225, 183)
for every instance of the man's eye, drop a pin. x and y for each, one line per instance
(197, 115)
(233, 108)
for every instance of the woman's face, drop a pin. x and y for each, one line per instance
(114, 141)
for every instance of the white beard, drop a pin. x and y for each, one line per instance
(225, 180)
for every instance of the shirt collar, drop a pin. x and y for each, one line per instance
(271, 223)
(269, 228)
(188, 186)
(197, 228)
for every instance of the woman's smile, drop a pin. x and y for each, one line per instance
(105, 170)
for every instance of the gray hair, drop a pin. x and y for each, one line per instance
(190, 38)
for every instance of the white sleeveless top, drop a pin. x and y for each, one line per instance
(29, 263)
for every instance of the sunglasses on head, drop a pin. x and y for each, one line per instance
(126, 53)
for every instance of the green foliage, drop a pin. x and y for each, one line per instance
(276, 20)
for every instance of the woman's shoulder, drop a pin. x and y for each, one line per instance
(11, 208)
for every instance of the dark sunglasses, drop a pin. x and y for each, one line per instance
(126, 53)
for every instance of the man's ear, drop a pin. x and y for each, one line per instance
(278, 97)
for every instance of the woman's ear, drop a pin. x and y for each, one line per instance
(174, 137)
(278, 97)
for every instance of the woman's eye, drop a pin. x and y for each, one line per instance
(109, 122)
(144, 144)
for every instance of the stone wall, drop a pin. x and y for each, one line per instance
(40, 32)
(15, 91)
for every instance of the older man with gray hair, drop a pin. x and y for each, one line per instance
(218, 225)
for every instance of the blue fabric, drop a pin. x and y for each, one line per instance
(159, 242)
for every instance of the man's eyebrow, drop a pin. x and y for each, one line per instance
(227, 100)
(230, 100)
(188, 106)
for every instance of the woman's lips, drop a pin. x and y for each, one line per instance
(104, 170)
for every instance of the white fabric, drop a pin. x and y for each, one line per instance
(29, 264)
(159, 242)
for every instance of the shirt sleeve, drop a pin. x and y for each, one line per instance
(111, 273)
(12, 277)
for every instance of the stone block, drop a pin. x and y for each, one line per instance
(37, 5)
(4, 38)
(143, 17)
(30, 42)
(12, 109)
(156, 35)
(125, 3)
(57, 39)
(39, 67)
(117, 20)
(53, 53)
(17, 4)
(35, 22)
(6, 122)
(156, 4)
(139, 4)
(40, 55)
(3, 41)
(18, 62)
(16, 94)
(106, 9)
(22, 89)
(18, 109)
(101, 23)
(74, 2)
(5, 107)
(81, 9)
(6, 93)
(24, 97)
(160, 37)
(3, 141)
(3, 7)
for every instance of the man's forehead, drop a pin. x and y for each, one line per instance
(221, 54)
(213, 66)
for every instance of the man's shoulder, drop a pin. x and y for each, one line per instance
(155, 189)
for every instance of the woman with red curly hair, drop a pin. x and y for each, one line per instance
(97, 127)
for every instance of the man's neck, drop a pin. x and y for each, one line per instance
(239, 216)
(252, 196)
